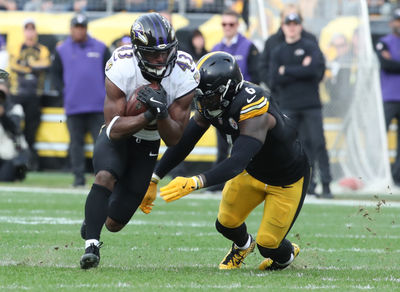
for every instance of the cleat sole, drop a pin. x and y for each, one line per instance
(89, 261)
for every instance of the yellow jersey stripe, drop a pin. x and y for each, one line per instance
(205, 59)
(254, 103)
(255, 111)
(253, 107)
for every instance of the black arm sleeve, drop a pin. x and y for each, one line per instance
(243, 150)
(252, 63)
(175, 154)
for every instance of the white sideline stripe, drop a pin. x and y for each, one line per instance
(35, 220)
(49, 191)
(203, 196)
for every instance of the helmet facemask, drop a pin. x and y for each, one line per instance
(213, 103)
(157, 62)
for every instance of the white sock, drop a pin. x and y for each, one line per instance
(247, 245)
(90, 241)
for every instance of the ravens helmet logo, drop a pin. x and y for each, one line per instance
(138, 33)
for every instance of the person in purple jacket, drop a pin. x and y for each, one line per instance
(247, 57)
(388, 51)
(78, 69)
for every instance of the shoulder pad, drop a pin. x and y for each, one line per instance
(185, 61)
(255, 101)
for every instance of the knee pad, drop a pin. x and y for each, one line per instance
(268, 240)
(228, 220)
(113, 226)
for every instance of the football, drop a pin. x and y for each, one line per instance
(134, 106)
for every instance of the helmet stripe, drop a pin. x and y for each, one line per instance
(164, 33)
(202, 60)
(155, 29)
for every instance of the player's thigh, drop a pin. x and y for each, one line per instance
(240, 196)
(131, 188)
(282, 205)
(110, 155)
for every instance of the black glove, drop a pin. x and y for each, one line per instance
(156, 100)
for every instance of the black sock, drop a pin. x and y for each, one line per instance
(238, 235)
(281, 254)
(96, 210)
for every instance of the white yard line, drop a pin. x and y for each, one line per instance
(202, 196)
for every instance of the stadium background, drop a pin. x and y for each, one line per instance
(261, 19)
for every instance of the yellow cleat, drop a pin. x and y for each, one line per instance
(270, 265)
(236, 256)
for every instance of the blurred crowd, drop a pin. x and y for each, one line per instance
(113, 5)
(376, 7)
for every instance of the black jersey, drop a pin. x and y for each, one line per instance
(281, 160)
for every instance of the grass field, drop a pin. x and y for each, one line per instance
(345, 245)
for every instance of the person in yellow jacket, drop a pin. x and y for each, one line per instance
(28, 65)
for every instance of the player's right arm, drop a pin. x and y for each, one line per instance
(118, 125)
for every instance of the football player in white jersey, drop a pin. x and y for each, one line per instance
(126, 150)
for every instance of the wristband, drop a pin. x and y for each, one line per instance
(108, 131)
(155, 178)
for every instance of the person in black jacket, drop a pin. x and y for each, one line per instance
(296, 67)
(264, 68)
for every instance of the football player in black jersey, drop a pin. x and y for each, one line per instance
(267, 163)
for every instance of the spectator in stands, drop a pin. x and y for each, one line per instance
(296, 68)
(146, 5)
(246, 54)
(196, 46)
(80, 5)
(78, 68)
(3, 53)
(13, 147)
(388, 50)
(29, 63)
(8, 5)
(264, 68)
(276, 39)
(38, 5)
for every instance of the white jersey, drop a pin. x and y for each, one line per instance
(122, 69)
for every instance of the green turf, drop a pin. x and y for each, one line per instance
(176, 247)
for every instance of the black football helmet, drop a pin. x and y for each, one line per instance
(155, 45)
(220, 80)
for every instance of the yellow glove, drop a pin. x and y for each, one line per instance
(180, 186)
(147, 203)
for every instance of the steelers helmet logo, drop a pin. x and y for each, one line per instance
(138, 33)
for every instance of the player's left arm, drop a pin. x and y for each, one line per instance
(246, 146)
